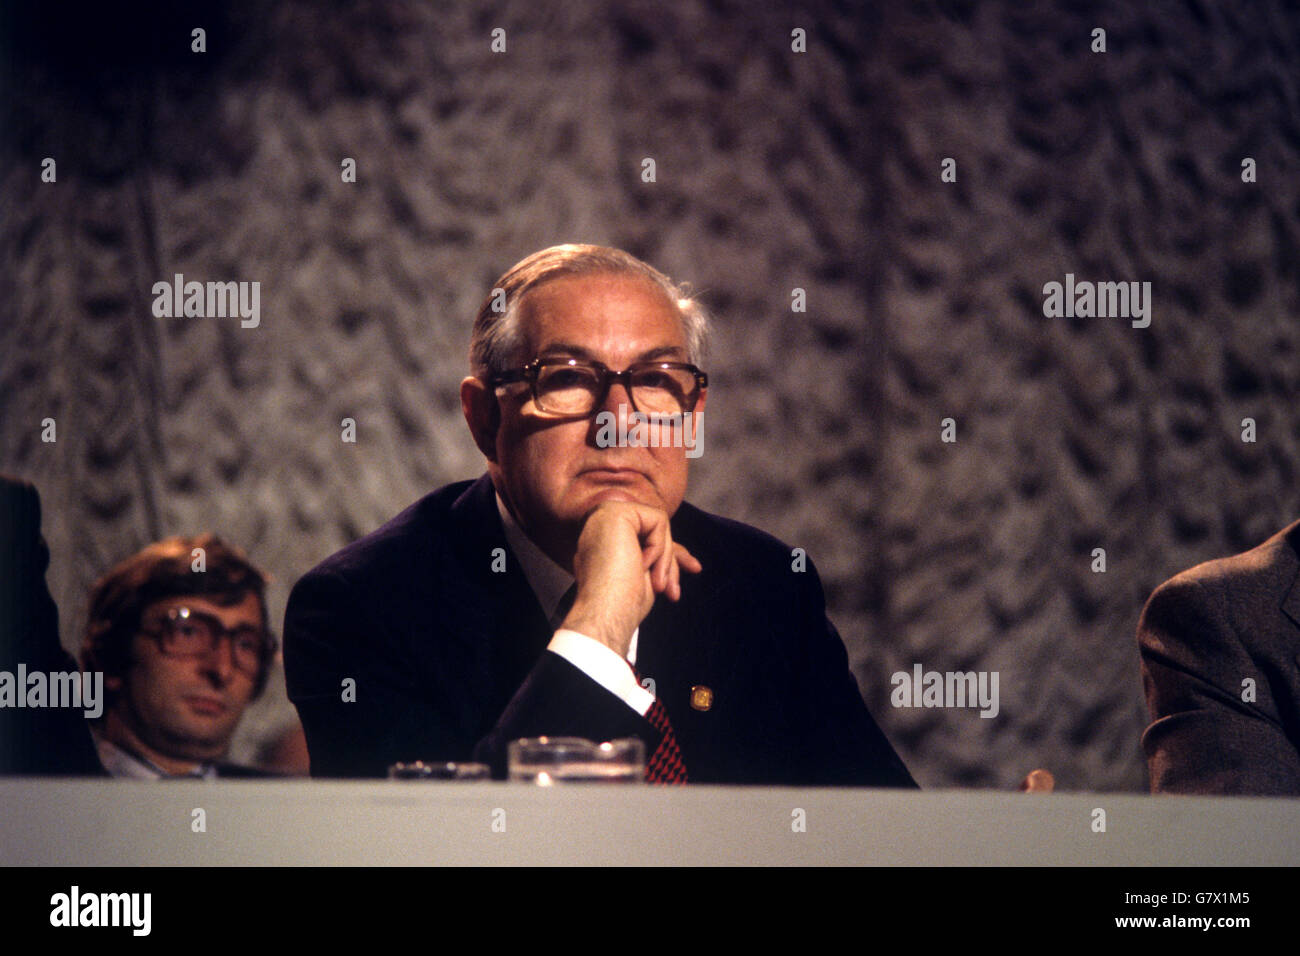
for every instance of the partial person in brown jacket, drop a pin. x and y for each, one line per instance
(1220, 648)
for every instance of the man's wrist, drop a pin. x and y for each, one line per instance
(598, 627)
(603, 665)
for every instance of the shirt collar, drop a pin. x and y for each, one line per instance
(124, 764)
(548, 580)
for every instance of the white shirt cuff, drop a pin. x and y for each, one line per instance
(602, 665)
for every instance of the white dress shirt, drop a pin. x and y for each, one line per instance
(131, 766)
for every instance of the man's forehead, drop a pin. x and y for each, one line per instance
(246, 602)
(576, 314)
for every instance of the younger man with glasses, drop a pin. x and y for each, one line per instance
(571, 591)
(180, 631)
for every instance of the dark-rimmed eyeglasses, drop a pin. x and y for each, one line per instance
(566, 386)
(185, 632)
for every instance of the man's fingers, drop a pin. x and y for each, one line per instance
(657, 551)
(664, 566)
(683, 560)
(657, 554)
(662, 559)
(686, 559)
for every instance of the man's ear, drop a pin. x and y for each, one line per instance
(694, 435)
(482, 413)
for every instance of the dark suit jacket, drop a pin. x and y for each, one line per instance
(37, 740)
(1202, 634)
(449, 659)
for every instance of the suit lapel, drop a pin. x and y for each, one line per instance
(493, 614)
(686, 644)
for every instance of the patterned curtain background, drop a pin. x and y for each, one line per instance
(775, 170)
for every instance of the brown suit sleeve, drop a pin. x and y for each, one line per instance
(1207, 648)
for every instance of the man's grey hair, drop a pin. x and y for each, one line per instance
(497, 342)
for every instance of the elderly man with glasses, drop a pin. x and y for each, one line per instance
(180, 632)
(571, 591)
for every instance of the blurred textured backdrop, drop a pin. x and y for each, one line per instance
(775, 170)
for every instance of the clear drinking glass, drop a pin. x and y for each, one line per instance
(549, 760)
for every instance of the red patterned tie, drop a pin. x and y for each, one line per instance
(665, 764)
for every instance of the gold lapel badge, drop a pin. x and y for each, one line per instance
(701, 697)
